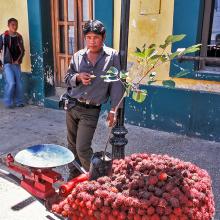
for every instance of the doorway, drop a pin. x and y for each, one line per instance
(68, 18)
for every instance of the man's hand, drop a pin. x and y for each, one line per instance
(84, 78)
(111, 119)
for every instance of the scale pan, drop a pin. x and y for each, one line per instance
(44, 156)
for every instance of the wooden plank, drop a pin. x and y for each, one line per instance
(90, 9)
(63, 55)
(54, 39)
(62, 22)
(76, 47)
(57, 38)
(66, 38)
(79, 23)
(67, 22)
(62, 67)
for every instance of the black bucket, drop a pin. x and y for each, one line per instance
(100, 165)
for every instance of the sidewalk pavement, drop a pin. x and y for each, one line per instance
(17, 204)
(23, 127)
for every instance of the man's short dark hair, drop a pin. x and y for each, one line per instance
(11, 20)
(94, 26)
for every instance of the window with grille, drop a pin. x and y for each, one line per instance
(211, 36)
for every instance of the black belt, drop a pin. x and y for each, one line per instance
(83, 104)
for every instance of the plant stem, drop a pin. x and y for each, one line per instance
(151, 67)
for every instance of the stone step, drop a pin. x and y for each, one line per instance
(53, 101)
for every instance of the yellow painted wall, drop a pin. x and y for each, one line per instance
(18, 10)
(149, 28)
(154, 28)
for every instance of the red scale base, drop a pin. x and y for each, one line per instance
(38, 182)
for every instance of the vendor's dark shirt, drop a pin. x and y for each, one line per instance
(99, 91)
(14, 48)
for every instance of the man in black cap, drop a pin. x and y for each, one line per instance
(89, 91)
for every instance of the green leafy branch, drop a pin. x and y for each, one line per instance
(148, 59)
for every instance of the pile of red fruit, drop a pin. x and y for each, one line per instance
(143, 187)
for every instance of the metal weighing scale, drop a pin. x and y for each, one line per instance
(36, 164)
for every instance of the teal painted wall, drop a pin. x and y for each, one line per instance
(41, 49)
(187, 112)
(104, 12)
(36, 49)
(48, 63)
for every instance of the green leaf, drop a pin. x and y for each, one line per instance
(112, 71)
(174, 38)
(111, 79)
(164, 58)
(174, 55)
(111, 75)
(124, 74)
(181, 74)
(128, 90)
(152, 46)
(139, 95)
(138, 50)
(104, 76)
(140, 55)
(191, 49)
(152, 74)
(107, 76)
(150, 82)
(168, 83)
(154, 57)
(148, 52)
(163, 46)
(144, 48)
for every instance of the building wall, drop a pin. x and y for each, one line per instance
(154, 28)
(150, 22)
(192, 108)
(18, 10)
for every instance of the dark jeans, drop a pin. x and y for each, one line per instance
(81, 124)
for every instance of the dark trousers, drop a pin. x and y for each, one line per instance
(81, 124)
